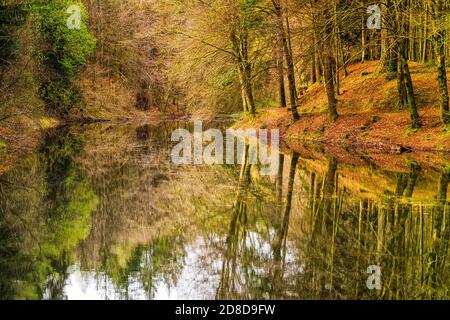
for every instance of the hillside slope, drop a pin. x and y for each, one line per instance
(369, 116)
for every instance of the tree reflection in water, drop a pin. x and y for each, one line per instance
(101, 208)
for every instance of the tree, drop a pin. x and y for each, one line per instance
(239, 36)
(64, 52)
(325, 18)
(438, 10)
(404, 80)
(284, 37)
(280, 35)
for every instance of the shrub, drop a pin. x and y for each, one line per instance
(66, 49)
(64, 52)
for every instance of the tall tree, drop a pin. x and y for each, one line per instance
(404, 79)
(438, 10)
(239, 38)
(288, 56)
(326, 22)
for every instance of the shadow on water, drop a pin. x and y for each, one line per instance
(99, 212)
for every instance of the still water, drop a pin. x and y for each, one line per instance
(99, 212)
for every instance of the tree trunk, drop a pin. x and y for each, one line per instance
(405, 84)
(337, 46)
(442, 77)
(240, 50)
(439, 47)
(289, 60)
(363, 37)
(410, 93)
(384, 50)
(244, 98)
(280, 69)
(317, 55)
(313, 67)
(329, 86)
(391, 27)
(249, 88)
(425, 36)
(326, 48)
(402, 98)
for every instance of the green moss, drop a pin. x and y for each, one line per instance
(364, 155)
(47, 123)
(312, 135)
(2, 145)
(290, 123)
(447, 130)
(391, 76)
(411, 131)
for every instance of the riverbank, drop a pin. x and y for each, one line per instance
(368, 116)
(23, 133)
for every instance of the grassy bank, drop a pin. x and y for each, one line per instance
(369, 115)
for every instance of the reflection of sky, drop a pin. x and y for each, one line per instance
(194, 282)
(82, 285)
(198, 279)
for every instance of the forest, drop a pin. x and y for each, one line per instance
(91, 92)
(215, 57)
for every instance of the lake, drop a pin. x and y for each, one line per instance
(100, 212)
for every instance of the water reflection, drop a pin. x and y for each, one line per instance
(46, 204)
(99, 212)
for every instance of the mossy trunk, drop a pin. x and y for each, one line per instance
(442, 77)
(405, 84)
(313, 67)
(402, 98)
(329, 87)
(389, 54)
(439, 38)
(328, 63)
(412, 104)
